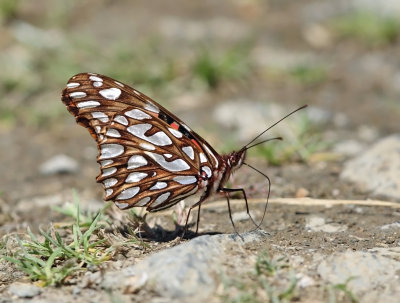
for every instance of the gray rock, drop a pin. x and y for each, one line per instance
(181, 272)
(242, 216)
(318, 115)
(59, 164)
(373, 272)
(367, 133)
(349, 147)
(383, 8)
(35, 36)
(318, 224)
(245, 117)
(318, 11)
(281, 59)
(304, 281)
(378, 169)
(394, 225)
(23, 290)
(214, 28)
(248, 118)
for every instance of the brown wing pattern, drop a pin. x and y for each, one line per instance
(148, 157)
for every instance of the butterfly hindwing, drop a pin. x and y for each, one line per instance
(148, 157)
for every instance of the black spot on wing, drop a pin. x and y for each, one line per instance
(166, 118)
(169, 120)
(185, 132)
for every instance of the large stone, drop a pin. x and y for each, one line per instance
(377, 169)
(372, 275)
(182, 272)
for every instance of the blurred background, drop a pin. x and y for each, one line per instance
(227, 68)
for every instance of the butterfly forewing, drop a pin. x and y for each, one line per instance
(148, 156)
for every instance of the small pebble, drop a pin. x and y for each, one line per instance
(302, 192)
(335, 192)
(23, 290)
(134, 283)
(394, 225)
(59, 164)
(241, 216)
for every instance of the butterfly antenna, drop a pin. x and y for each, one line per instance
(258, 143)
(291, 113)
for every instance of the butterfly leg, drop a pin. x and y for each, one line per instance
(198, 216)
(226, 194)
(198, 219)
(231, 190)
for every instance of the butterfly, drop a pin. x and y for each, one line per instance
(148, 156)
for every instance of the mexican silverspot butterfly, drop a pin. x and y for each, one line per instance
(148, 156)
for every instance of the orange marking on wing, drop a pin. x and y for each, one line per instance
(195, 142)
(174, 125)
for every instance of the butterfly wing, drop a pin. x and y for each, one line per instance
(148, 156)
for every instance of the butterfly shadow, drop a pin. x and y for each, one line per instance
(162, 235)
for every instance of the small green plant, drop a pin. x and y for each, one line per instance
(212, 68)
(3, 246)
(8, 9)
(308, 74)
(144, 65)
(341, 288)
(370, 28)
(275, 295)
(52, 258)
(73, 210)
(267, 266)
(269, 280)
(7, 118)
(305, 141)
(39, 268)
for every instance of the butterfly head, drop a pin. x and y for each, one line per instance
(236, 158)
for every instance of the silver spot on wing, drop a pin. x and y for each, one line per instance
(77, 95)
(188, 150)
(172, 166)
(110, 182)
(159, 185)
(101, 116)
(73, 85)
(109, 171)
(95, 78)
(137, 114)
(160, 199)
(184, 180)
(121, 205)
(136, 161)
(159, 138)
(111, 132)
(175, 132)
(110, 150)
(151, 107)
(143, 202)
(88, 104)
(112, 93)
(128, 193)
(135, 177)
(203, 158)
(121, 120)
